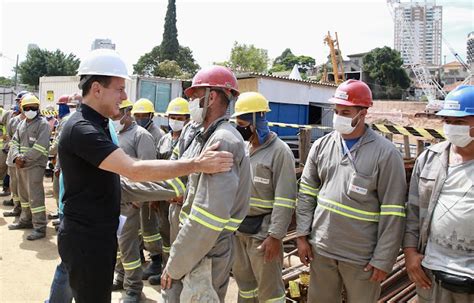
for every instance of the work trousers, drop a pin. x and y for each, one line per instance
(213, 270)
(152, 237)
(129, 264)
(31, 192)
(12, 172)
(89, 257)
(3, 166)
(258, 281)
(329, 275)
(164, 227)
(438, 294)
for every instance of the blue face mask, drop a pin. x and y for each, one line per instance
(144, 122)
(263, 131)
(63, 110)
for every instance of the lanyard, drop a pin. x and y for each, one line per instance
(348, 152)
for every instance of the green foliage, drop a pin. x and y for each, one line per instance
(41, 62)
(384, 66)
(247, 58)
(6, 82)
(170, 44)
(168, 69)
(159, 61)
(149, 64)
(287, 60)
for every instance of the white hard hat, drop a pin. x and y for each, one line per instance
(103, 62)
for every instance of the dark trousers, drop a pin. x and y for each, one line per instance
(89, 258)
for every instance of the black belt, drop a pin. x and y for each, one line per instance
(454, 283)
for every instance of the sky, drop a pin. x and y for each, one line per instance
(210, 28)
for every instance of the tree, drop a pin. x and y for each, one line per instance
(387, 77)
(168, 69)
(287, 60)
(170, 44)
(247, 58)
(6, 82)
(149, 63)
(169, 49)
(41, 62)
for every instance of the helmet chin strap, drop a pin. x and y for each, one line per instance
(206, 103)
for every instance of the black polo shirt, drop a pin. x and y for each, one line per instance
(91, 195)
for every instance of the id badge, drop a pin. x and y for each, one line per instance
(356, 185)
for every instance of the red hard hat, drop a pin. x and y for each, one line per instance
(63, 99)
(353, 93)
(215, 76)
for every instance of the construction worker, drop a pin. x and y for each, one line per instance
(30, 145)
(351, 204)
(6, 119)
(91, 164)
(138, 143)
(3, 153)
(439, 243)
(215, 205)
(12, 125)
(143, 112)
(178, 117)
(258, 245)
(63, 115)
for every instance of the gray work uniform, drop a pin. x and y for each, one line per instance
(214, 207)
(53, 151)
(5, 118)
(165, 149)
(353, 213)
(31, 140)
(273, 199)
(150, 222)
(136, 142)
(12, 125)
(428, 178)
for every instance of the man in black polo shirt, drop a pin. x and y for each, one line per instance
(91, 165)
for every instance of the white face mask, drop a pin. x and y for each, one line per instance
(72, 110)
(31, 114)
(196, 111)
(176, 125)
(118, 125)
(458, 135)
(343, 124)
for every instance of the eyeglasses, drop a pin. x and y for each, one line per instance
(28, 108)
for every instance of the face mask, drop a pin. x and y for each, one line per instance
(118, 125)
(143, 122)
(344, 124)
(31, 114)
(196, 111)
(246, 132)
(72, 110)
(176, 125)
(458, 134)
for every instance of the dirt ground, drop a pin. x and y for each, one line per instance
(27, 268)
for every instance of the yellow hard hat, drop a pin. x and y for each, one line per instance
(126, 103)
(143, 106)
(178, 106)
(29, 99)
(250, 102)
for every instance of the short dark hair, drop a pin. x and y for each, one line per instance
(103, 80)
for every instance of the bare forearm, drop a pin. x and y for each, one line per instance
(157, 170)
